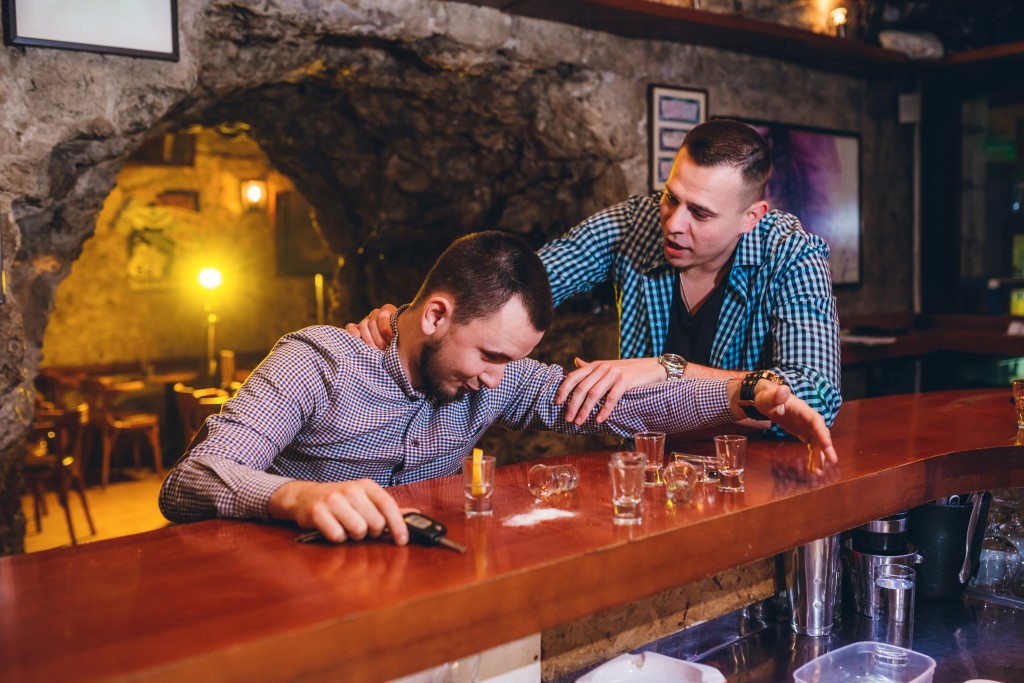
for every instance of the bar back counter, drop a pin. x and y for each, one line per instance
(230, 600)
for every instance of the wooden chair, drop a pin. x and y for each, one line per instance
(59, 463)
(195, 405)
(111, 426)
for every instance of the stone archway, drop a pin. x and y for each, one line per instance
(404, 123)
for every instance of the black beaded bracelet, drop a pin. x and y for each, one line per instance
(747, 387)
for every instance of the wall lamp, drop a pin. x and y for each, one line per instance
(254, 194)
(839, 18)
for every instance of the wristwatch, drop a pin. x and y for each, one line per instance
(747, 391)
(674, 364)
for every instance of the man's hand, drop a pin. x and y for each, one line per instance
(340, 510)
(604, 379)
(375, 329)
(777, 403)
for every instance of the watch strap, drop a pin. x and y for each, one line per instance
(674, 364)
(747, 389)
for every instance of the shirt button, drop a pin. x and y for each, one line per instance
(415, 443)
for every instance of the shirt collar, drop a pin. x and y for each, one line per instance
(392, 363)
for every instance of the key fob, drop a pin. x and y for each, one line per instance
(423, 529)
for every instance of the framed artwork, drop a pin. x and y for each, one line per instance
(301, 251)
(136, 28)
(672, 113)
(816, 177)
(150, 259)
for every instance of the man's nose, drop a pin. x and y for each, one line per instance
(674, 219)
(491, 377)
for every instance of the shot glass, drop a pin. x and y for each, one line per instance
(680, 479)
(548, 480)
(652, 444)
(626, 470)
(1018, 401)
(706, 466)
(731, 456)
(478, 486)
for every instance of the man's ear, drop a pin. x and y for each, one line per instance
(753, 214)
(437, 315)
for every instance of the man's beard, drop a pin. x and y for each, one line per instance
(429, 372)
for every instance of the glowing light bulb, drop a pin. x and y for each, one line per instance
(210, 278)
(839, 18)
(254, 193)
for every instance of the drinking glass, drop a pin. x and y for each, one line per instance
(706, 466)
(731, 454)
(1018, 400)
(548, 480)
(478, 487)
(652, 444)
(626, 470)
(680, 478)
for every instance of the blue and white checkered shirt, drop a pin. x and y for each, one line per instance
(325, 406)
(778, 313)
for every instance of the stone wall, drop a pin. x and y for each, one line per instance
(405, 124)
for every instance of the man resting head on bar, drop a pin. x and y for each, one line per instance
(326, 421)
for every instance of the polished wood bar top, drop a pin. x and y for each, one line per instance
(228, 600)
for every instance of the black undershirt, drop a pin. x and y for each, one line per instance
(691, 336)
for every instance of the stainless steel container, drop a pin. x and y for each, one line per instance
(812, 577)
(860, 568)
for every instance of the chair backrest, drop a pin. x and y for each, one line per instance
(195, 405)
(98, 399)
(69, 430)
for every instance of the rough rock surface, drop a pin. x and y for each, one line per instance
(406, 123)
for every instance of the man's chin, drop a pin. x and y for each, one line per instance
(440, 395)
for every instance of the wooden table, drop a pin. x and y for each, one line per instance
(226, 600)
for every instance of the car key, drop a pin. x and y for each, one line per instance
(427, 531)
(422, 530)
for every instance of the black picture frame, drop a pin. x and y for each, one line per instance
(672, 111)
(128, 27)
(817, 176)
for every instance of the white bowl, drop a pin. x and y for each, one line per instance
(651, 667)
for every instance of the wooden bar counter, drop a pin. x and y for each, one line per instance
(226, 600)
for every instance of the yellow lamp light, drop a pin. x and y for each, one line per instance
(254, 194)
(839, 17)
(210, 278)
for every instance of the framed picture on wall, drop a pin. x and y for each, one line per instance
(135, 28)
(672, 113)
(816, 176)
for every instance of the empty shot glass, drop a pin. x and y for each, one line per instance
(652, 444)
(478, 485)
(548, 480)
(731, 455)
(680, 479)
(706, 466)
(626, 470)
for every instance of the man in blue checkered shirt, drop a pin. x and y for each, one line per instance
(708, 276)
(326, 421)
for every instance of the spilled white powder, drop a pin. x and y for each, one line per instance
(537, 516)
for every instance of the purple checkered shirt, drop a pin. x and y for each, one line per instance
(325, 406)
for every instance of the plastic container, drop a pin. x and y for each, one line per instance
(868, 662)
(651, 667)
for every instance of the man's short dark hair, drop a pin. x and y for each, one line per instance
(724, 142)
(483, 270)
